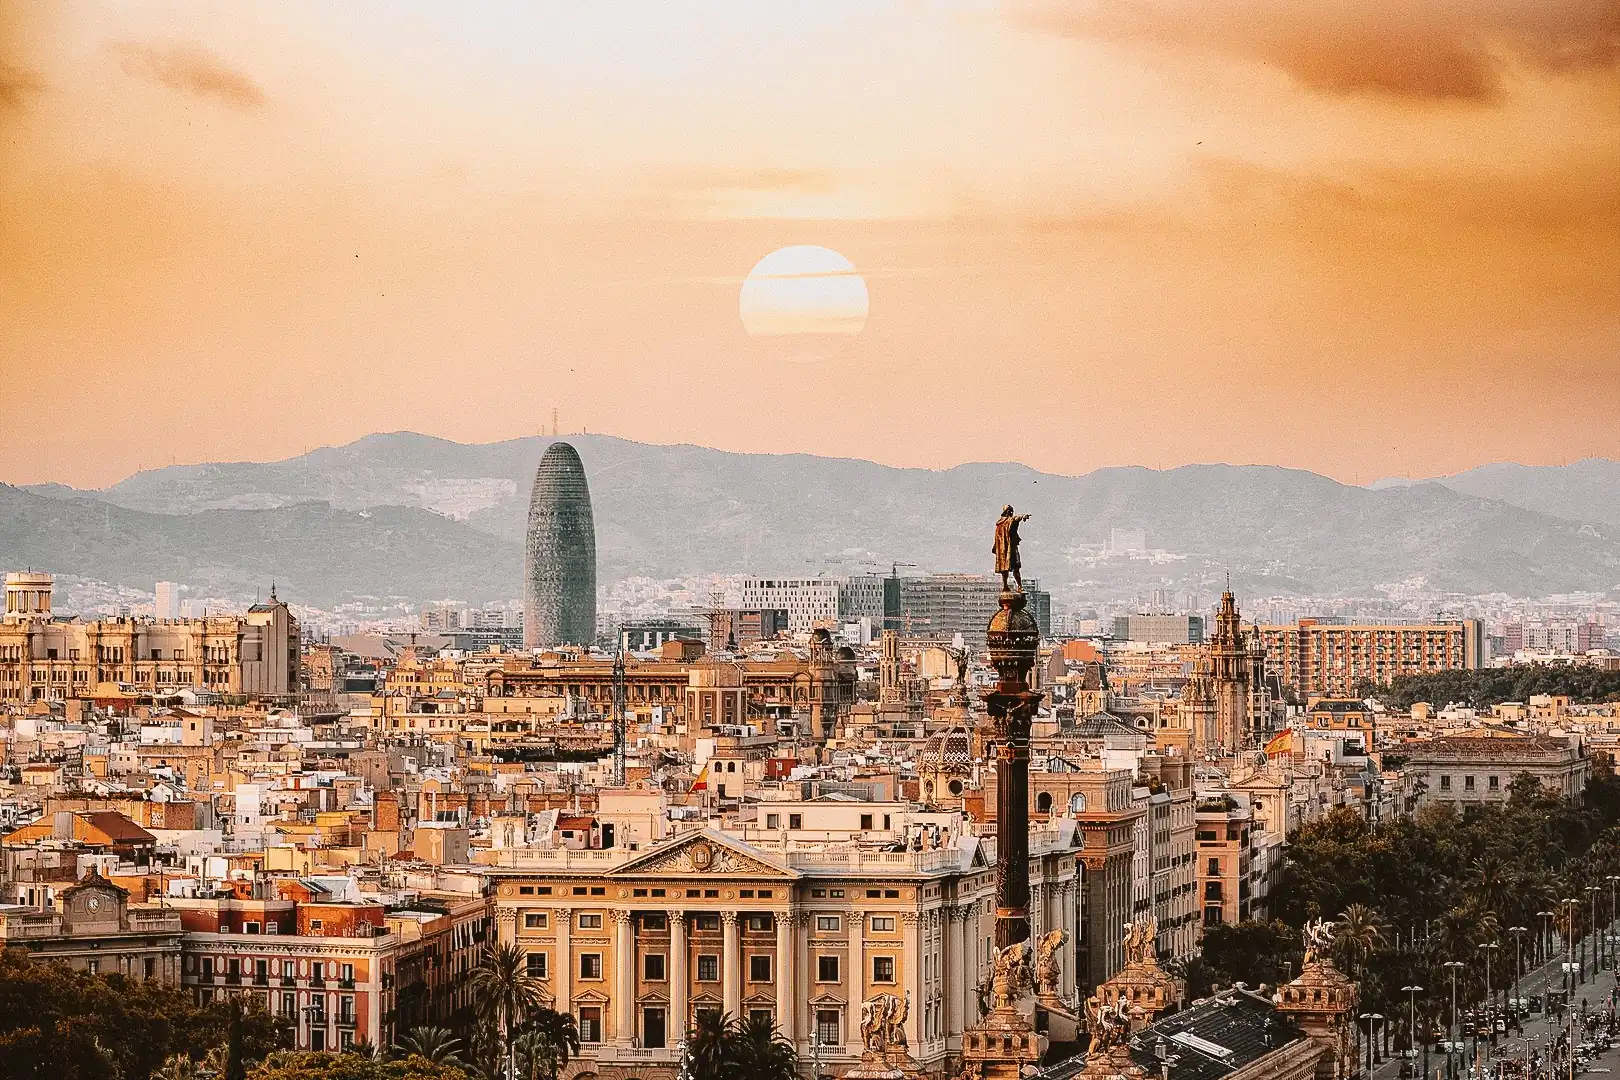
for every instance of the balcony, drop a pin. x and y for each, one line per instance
(261, 979)
(288, 980)
(347, 1020)
(346, 984)
(233, 978)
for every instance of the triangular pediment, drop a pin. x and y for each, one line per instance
(827, 998)
(594, 997)
(708, 854)
(656, 997)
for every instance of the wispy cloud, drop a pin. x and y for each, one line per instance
(1457, 50)
(191, 70)
(16, 84)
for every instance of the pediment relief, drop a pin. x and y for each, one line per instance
(654, 997)
(827, 998)
(592, 997)
(704, 854)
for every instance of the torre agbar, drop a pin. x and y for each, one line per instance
(559, 558)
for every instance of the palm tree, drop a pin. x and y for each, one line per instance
(1489, 884)
(1358, 934)
(547, 1042)
(436, 1044)
(505, 992)
(759, 1052)
(707, 1048)
(177, 1067)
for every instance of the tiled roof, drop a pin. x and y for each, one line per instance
(1207, 1041)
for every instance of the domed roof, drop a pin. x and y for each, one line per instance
(948, 751)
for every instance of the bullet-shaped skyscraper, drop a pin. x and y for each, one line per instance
(559, 557)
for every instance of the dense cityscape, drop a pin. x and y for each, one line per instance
(890, 825)
(810, 540)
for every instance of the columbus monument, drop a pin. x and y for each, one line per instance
(559, 554)
(1006, 1043)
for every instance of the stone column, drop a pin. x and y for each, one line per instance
(624, 977)
(786, 977)
(563, 973)
(731, 965)
(953, 971)
(680, 1018)
(972, 970)
(914, 981)
(854, 981)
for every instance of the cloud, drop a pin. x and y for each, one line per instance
(193, 70)
(16, 84)
(1438, 50)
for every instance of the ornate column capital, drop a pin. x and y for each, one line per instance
(729, 917)
(565, 915)
(621, 916)
(674, 917)
(506, 916)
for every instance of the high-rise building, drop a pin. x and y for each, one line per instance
(1313, 657)
(939, 606)
(559, 564)
(166, 604)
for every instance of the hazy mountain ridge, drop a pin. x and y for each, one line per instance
(667, 511)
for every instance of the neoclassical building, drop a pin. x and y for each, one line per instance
(638, 944)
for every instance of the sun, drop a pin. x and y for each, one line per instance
(803, 289)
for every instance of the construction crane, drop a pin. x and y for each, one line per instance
(618, 715)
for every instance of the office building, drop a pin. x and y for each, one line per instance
(559, 565)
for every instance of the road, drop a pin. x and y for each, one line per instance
(1540, 1029)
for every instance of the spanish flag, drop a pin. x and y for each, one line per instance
(702, 781)
(1283, 743)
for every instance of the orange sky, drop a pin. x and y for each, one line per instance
(1365, 237)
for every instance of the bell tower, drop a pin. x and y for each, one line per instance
(1229, 657)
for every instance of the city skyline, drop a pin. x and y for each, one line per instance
(1202, 232)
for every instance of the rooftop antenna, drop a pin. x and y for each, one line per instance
(618, 714)
(554, 422)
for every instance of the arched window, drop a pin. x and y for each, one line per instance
(1077, 803)
(1043, 803)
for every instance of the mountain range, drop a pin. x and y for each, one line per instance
(418, 517)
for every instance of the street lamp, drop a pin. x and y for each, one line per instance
(1453, 966)
(1570, 906)
(1612, 879)
(1518, 933)
(1544, 930)
(1592, 891)
(1411, 993)
(1372, 1036)
(1489, 949)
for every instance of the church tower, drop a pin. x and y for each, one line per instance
(1229, 656)
(1198, 707)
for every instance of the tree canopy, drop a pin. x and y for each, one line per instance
(60, 1024)
(1484, 687)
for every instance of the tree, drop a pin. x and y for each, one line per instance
(436, 1044)
(734, 1049)
(758, 1051)
(1358, 934)
(546, 1044)
(314, 1065)
(505, 992)
(59, 1024)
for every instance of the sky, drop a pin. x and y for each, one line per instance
(1365, 237)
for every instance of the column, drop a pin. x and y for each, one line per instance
(786, 976)
(854, 981)
(731, 964)
(966, 1004)
(563, 972)
(680, 1018)
(914, 983)
(624, 977)
(953, 971)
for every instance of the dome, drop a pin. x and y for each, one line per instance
(948, 751)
